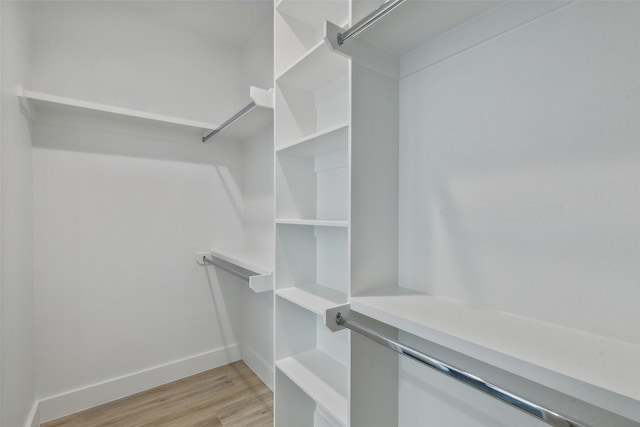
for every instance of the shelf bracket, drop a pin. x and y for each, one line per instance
(331, 314)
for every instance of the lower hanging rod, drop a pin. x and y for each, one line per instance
(368, 20)
(471, 380)
(234, 118)
(226, 268)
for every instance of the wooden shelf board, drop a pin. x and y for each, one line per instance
(572, 361)
(334, 138)
(313, 297)
(321, 378)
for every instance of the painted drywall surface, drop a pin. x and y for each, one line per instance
(106, 52)
(17, 378)
(258, 57)
(121, 208)
(259, 235)
(117, 286)
(519, 172)
(519, 186)
(258, 220)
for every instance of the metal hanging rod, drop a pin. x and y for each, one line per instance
(229, 268)
(234, 118)
(471, 380)
(368, 20)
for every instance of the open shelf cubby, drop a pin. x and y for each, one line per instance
(299, 26)
(312, 96)
(312, 255)
(313, 358)
(312, 178)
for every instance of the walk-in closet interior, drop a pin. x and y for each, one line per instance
(401, 213)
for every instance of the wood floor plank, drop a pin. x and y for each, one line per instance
(231, 395)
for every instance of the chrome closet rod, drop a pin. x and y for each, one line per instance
(235, 117)
(368, 20)
(471, 380)
(226, 268)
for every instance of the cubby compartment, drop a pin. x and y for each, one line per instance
(314, 359)
(312, 178)
(313, 255)
(299, 26)
(302, 410)
(312, 96)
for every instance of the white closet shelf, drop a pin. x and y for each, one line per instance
(313, 297)
(332, 139)
(314, 222)
(593, 368)
(260, 279)
(315, 69)
(321, 378)
(33, 100)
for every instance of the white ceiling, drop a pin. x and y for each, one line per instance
(229, 21)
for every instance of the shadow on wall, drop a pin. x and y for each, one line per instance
(229, 329)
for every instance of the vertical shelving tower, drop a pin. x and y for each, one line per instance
(312, 184)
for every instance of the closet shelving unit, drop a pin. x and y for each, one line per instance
(312, 215)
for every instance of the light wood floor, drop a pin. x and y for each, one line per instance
(231, 395)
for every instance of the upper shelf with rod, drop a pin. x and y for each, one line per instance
(40, 104)
(397, 27)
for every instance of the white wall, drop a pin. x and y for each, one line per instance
(257, 335)
(110, 53)
(519, 172)
(17, 380)
(121, 208)
(519, 182)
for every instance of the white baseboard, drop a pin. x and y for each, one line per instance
(34, 416)
(262, 368)
(83, 398)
